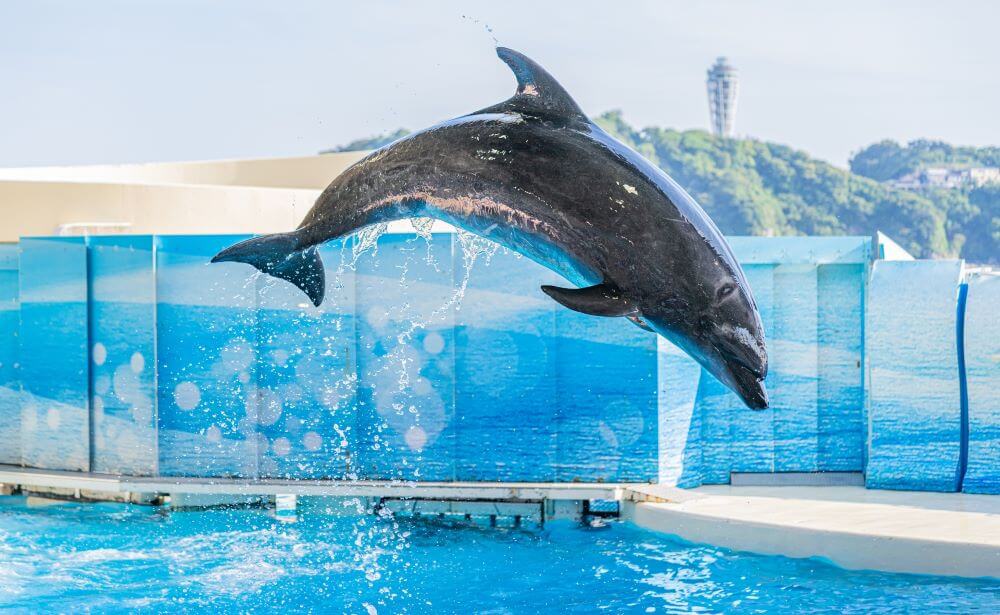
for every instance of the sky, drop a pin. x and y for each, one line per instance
(121, 81)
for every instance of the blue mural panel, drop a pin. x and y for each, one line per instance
(840, 389)
(405, 303)
(679, 422)
(792, 278)
(982, 369)
(752, 433)
(914, 409)
(306, 375)
(413, 370)
(717, 405)
(122, 354)
(10, 388)
(795, 367)
(505, 390)
(206, 327)
(55, 425)
(734, 438)
(606, 383)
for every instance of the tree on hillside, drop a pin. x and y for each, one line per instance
(887, 160)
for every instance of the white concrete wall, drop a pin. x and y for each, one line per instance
(231, 196)
(313, 172)
(39, 208)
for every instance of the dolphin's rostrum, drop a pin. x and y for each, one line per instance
(533, 173)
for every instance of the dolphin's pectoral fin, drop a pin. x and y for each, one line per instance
(598, 300)
(639, 322)
(537, 90)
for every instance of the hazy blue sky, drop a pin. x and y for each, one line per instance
(100, 81)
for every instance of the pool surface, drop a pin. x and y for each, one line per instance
(118, 558)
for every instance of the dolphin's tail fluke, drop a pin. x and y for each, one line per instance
(279, 255)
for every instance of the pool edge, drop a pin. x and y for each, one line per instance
(862, 542)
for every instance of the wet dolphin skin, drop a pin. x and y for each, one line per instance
(534, 174)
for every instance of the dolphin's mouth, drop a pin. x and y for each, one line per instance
(744, 351)
(746, 382)
(750, 387)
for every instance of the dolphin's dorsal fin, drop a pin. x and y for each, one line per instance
(537, 90)
(599, 300)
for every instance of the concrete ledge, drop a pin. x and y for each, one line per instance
(92, 482)
(950, 534)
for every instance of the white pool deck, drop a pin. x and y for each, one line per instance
(953, 534)
(897, 531)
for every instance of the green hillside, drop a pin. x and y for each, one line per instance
(757, 188)
(889, 160)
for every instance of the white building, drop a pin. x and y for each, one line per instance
(943, 177)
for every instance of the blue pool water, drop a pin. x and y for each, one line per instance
(118, 558)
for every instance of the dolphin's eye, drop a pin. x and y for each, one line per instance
(724, 291)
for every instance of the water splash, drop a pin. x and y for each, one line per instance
(473, 247)
(423, 227)
(412, 414)
(365, 240)
(394, 368)
(486, 27)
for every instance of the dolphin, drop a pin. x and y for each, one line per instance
(534, 174)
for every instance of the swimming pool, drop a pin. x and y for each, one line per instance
(118, 558)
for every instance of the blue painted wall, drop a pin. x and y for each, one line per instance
(606, 386)
(10, 388)
(982, 368)
(680, 421)
(405, 303)
(840, 422)
(411, 369)
(506, 389)
(136, 356)
(53, 355)
(122, 283)
(208, 405)
(305, 387)
(914, 402)
(810, 293)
